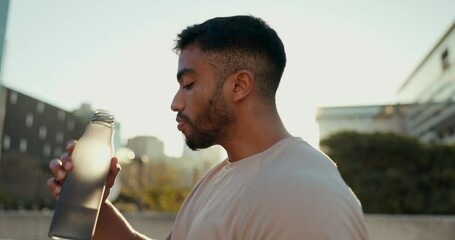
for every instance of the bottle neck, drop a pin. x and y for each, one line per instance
(98, 130)
(107, 124)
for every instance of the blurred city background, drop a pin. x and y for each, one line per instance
(371, 84)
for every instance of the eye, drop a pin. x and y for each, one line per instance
(187, 86)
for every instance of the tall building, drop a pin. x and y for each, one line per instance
(33, 133)
(3, 20)
(431, 87)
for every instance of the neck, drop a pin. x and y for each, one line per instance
(254, 133)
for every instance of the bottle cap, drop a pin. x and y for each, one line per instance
(103, 116)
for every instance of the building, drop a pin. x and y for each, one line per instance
(148, 146)
(364, 119)
(3, 20)
(431, 87)
(150, 164)
(426, 105)
(33, 133)
(194, 164)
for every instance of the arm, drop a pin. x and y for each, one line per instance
(112, 225)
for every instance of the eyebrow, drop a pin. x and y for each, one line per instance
(183, 72)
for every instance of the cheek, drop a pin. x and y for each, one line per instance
(195, 105)
(198, 99)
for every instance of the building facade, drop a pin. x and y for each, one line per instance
(426, 103)
(431, 87)
(147, 146)
(33, 133)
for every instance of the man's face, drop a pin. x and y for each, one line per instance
(202, 111)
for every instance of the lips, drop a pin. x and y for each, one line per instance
(180, 122)
(181, 125)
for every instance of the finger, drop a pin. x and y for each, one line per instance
(67, 162)
(70, 145)
(115, 165)
(113, 172)
(60, 167)
(55, 165)
(54, 187)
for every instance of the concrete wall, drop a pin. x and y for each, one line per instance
(408, 227)
(34, 226)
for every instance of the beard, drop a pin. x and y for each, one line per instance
(209, 124)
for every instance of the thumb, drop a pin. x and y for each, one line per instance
(113, 172)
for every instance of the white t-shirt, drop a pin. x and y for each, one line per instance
(289, 191)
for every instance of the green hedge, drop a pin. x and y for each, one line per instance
(391, 173)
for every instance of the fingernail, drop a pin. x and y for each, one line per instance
(58, 189)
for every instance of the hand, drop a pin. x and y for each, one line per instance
(61, 166)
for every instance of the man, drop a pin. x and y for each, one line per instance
(272, 185)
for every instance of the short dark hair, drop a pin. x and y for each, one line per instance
(239, 43)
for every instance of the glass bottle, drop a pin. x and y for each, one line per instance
(82, 192)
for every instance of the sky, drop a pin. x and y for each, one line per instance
(117, 54)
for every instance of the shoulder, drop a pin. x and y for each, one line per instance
(295, 161)
(301, 179)
(300, 187)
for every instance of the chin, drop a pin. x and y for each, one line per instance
(195, 146)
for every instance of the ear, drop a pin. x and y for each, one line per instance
(242, 84)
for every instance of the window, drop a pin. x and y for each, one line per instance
(23, 145)
(47, 150)
(29, 120)
(61, 115)
(59, 137)
(6, 142)
(13, 97)
(445, 60)
(40, 107)
(42, 132)
(70, 124)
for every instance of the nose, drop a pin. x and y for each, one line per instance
(177, 103)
